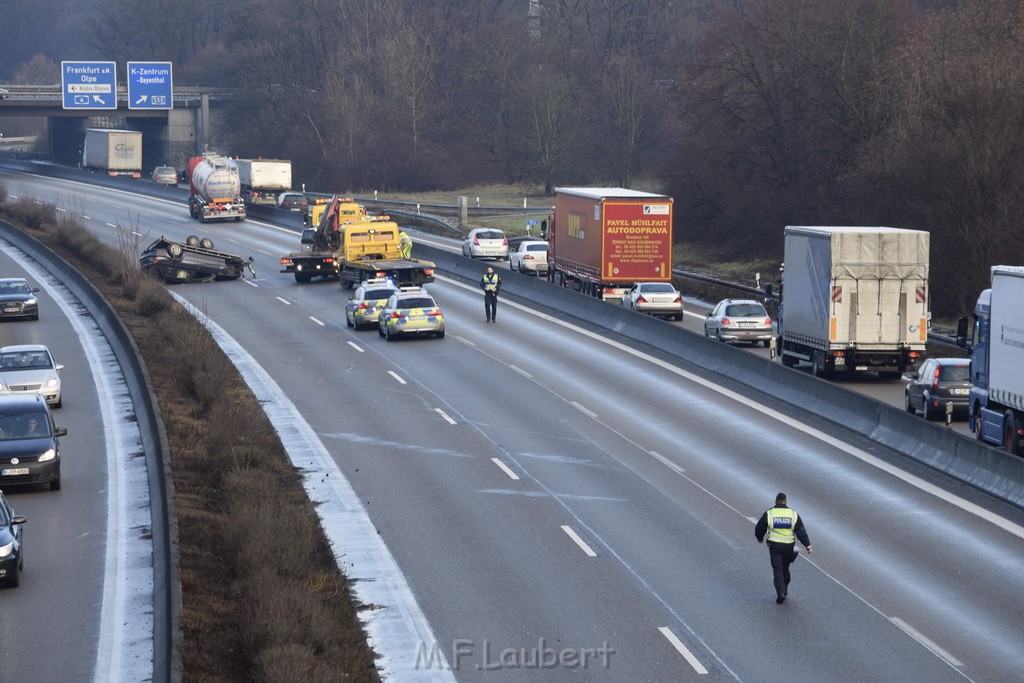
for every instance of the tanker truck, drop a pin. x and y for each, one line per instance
(215, 189)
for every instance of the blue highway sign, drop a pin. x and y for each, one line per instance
(150, 85)
(89, 85)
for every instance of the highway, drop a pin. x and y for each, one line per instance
(84, 605)
(556, 498)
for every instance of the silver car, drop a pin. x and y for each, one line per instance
(739, 320)
(656, 298)
(165, 175)
(30, 368)
(529, 256)
(486, 243)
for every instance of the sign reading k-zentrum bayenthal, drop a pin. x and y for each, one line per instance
(150, 85)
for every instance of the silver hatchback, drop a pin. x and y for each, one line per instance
(486, 243)
(735, 320)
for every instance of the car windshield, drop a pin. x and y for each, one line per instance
(416, 302)
(955, 373)
(746, 310)
(23, 360)
(490, 235)
(23, 426)
(14, 288)
(376, 294)
(657, 289)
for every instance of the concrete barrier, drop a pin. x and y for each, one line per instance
(991, 470)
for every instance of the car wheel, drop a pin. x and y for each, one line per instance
(977, 424)
(175, 250)
(303, 277)
(206, 243)
(202, 217)
(718, 336)
(1010, 433)
(55, 484)
(926, 408)
(380, 330)
(440, 335)
(192, 241)
(59, 403)
(678, 317)
(35, 317)
(349, 322)
(387, 334)
(14, 578)
(906, 403)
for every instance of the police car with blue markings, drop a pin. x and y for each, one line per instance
(410, 311)
(368, 300)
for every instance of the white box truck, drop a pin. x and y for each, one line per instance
(854, 299)
(997, 361)
(264, 179)
(114, 152)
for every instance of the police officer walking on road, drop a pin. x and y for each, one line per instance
(491, 284)
(784, 528)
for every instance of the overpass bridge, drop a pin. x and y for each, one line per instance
(169, 136)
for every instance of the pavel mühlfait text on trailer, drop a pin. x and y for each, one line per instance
(484, 656)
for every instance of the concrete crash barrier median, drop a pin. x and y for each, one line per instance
(991, 470)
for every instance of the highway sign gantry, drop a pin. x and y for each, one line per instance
(89, 85)
(150, 85)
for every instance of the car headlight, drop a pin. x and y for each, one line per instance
(54, 382)
(30, 302)
(6, 550)
(48, 455)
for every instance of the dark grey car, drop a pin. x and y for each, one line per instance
(18, 299)
(938, 382)
(11, 559)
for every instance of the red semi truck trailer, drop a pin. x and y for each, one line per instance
(603, 240)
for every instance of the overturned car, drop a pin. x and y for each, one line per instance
(194, 261)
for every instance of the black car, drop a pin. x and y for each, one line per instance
(195, 260)
(18, 299)
(938, 382)
(293, 201)
(29, 443)
(12, 561)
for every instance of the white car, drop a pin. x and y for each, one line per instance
(486, 243)
(656, 298)
(529, 256)
(735, 320)
(30, 368)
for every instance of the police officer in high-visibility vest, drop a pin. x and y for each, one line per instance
(784, 528)
(491, 284)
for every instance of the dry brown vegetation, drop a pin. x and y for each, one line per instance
(263, 598)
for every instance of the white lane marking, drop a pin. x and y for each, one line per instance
(284, 301)
(928, 643)
(512, 475)
(62, 210)
(317, 321)
(397, 378)
(111, 225)
(126, 608)
(250, 283)
(668, 463)
(464, 340)
(579, 541)
(583, 410)
(400, 627)
(445, 416)
(356, 347)
(906, 477)
(682, 649)
(752, 519)
(522, 372)
(88, 218)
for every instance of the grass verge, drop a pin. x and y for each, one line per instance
(262, 596)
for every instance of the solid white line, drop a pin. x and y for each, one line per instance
(61, 210)
(579, 541)
(509, 472)
(583, 410)
(395, 375)
(111, 225)
(284, 301)
(250, 283)
(678, 645)
(317, 321)
(356, 347)
(522, 372)
(445, 416)
(88, 218)
(928, 643)
(668, 463)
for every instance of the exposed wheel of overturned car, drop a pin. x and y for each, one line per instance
(175, 250)
(192, 240)
(206, 243)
